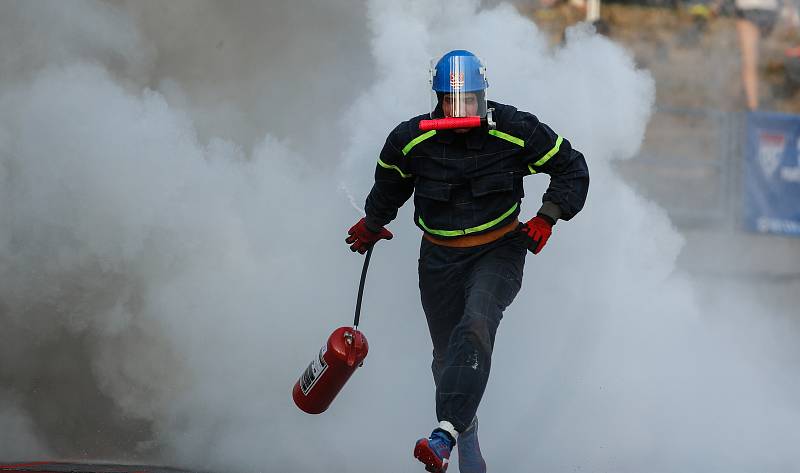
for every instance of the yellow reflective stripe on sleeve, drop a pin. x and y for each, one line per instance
(485, 226)
(391, 166)
(507, 137)
(417, 141)
(550, 153)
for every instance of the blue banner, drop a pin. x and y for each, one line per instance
(772, 174)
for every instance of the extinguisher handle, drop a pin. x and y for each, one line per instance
(361, 287)
(354, 345)
(349, 340)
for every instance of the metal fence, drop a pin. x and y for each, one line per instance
(690, 163)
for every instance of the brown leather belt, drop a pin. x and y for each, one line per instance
(473, 240)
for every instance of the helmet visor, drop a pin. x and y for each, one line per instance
(458, 87)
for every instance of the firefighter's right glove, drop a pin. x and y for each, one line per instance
(362, 237)
(537, 230)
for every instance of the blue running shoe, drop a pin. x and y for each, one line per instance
(434, 451)
(470, 459)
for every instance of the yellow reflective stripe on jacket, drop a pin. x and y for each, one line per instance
(549, 154)
(485, 226)
(507, 137)
(417, 141)
(391, 166)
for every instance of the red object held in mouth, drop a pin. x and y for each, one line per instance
(450, 123)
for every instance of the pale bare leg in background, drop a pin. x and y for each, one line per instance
(748, 44)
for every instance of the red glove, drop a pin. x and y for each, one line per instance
(362, 238)
(537, 230)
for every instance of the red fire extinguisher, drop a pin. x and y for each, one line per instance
(336, 362)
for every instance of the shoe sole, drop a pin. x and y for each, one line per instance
(423, 453)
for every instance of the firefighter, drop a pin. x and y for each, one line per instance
(467, 186)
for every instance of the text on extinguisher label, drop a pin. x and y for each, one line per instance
(314, 371)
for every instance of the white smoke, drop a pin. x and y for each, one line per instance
(175, 281)
(607, 360)
(34, 35)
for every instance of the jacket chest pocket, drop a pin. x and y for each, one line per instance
(492, 184)
(434, 190)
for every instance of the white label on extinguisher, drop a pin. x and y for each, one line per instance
(314, 371)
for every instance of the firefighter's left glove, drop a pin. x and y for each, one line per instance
(362, 237)
(537, 230)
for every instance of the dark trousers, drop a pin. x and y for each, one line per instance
(464, 293)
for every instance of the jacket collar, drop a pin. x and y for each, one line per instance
(445, 137)
(475, 138)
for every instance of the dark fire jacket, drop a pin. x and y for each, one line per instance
(470, 183)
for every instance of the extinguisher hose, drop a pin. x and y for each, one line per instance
(361, 287)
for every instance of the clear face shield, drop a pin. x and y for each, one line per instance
(458, 87)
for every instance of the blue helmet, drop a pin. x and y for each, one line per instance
(459, 71)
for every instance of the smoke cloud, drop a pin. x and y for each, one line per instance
(176, 185)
